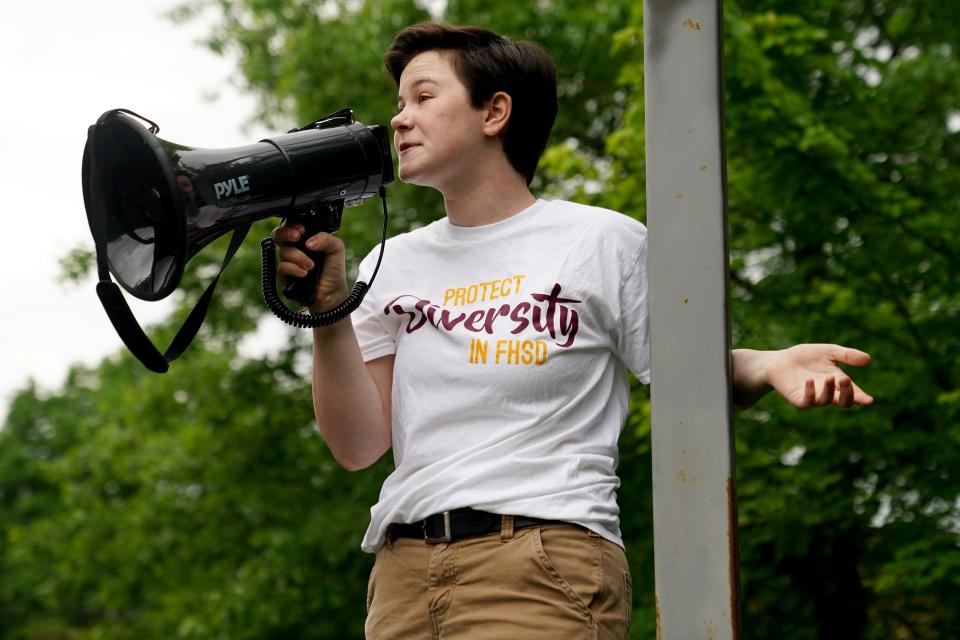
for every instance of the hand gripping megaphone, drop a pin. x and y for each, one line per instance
(152, 205)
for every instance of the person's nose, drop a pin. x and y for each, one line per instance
(401, 121)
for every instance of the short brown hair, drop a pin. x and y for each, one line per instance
(486, 63)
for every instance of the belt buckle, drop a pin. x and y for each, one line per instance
(446, 531)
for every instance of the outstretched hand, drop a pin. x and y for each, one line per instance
(806, 375)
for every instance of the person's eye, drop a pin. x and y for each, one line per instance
(424, 96)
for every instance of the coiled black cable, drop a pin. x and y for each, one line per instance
(268, 285)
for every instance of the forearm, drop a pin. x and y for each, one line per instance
(351, 414)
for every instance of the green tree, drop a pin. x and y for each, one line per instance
(843, 227)
(195, 505)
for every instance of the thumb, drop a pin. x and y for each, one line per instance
(848, 355)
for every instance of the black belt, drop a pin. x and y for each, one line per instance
(459, 523)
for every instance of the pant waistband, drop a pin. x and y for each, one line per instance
(457, 524)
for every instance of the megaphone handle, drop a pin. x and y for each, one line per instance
(304, 290)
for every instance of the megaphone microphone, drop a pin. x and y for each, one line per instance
(152, 205)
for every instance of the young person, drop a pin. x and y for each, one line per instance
(491, 355)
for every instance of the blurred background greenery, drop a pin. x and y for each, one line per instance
(203, 503)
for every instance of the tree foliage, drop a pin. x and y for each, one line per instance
(203, 503)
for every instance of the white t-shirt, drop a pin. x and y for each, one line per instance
(509, 387)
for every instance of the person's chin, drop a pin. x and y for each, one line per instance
(409, 175)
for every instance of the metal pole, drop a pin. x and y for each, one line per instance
(694, 500)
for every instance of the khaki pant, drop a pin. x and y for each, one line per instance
(555, 582)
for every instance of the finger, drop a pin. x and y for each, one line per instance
(826, 393)
(860, 397)
(297, 257)
(325, 242)
(844, 395)
(290, 270)
(287, 233)
(809, 393)
(848, 355)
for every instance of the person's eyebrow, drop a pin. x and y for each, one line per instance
(416, 83)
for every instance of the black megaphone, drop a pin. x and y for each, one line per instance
(152, 205)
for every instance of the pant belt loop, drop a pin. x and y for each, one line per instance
(506, 528)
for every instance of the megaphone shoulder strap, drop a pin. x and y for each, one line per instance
(111, 297)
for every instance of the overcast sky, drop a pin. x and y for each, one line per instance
(61, 66)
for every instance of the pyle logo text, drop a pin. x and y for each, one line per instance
(232, 187)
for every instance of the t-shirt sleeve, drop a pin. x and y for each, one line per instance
(634, 330)
(373, 335)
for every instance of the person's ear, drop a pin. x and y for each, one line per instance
(498, 110)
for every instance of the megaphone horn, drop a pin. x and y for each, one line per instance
(153, 204)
